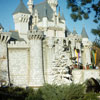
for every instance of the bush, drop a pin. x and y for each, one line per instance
(47, 92)
(73, 92)
(12, 93)
(34, 95)
(63, 92)
(90, 96)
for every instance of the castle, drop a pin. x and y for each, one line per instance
(41, 47)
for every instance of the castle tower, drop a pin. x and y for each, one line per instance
(21, 19)
(30, 6)
(53, 4)
(36, 62)
(86, 49)
(4, 37)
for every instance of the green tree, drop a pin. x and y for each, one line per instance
(81, 9)
(62, 92)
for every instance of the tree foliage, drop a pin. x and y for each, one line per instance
(47, 92)
(90, 96)
(81, 9)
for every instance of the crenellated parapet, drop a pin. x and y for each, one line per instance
(36, 58)
(18, 44)
(4, 37)
(35, 35)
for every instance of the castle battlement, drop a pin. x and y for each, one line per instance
(18, 44)
(35, 34)
(4, 36)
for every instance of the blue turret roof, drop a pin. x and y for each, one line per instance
(74, 32)
(44, 10)
(21, 8)
(84, 33)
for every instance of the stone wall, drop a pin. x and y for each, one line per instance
(80, 76)
(19, 65)
(3, 62)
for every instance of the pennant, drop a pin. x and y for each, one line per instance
(95, 57)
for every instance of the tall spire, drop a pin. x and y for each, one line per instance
(84, 33)
(74, 31)
(30, 5)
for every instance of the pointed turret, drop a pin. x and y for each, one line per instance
(74, 32)
(84, 33)
(21, 19)
(21, 8)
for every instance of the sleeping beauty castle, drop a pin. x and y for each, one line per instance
(41, 49)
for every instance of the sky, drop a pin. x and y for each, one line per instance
(7, 7)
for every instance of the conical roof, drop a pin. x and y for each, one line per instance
(84, 33)
(74, 32)
(21, 8)
(44, 10)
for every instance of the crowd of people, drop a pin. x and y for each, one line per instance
(88, 66)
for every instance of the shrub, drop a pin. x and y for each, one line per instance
(90, 96)
(63, 92)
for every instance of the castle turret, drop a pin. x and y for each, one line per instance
(30, 6)
(21, 19)
(86, 48)
(4, 37)
(53, 4)
(36, 62)
(74, 32)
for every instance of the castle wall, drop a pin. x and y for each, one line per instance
(3, 62)
(4, 37)
(19, 63)
(48, 53)
(80, 76)
(36, 63)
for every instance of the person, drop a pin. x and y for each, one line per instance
(87, 66)
(91, 66)
(97, 67)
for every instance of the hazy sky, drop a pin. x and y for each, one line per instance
(7, 7)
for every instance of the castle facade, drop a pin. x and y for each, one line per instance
(41, 47)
